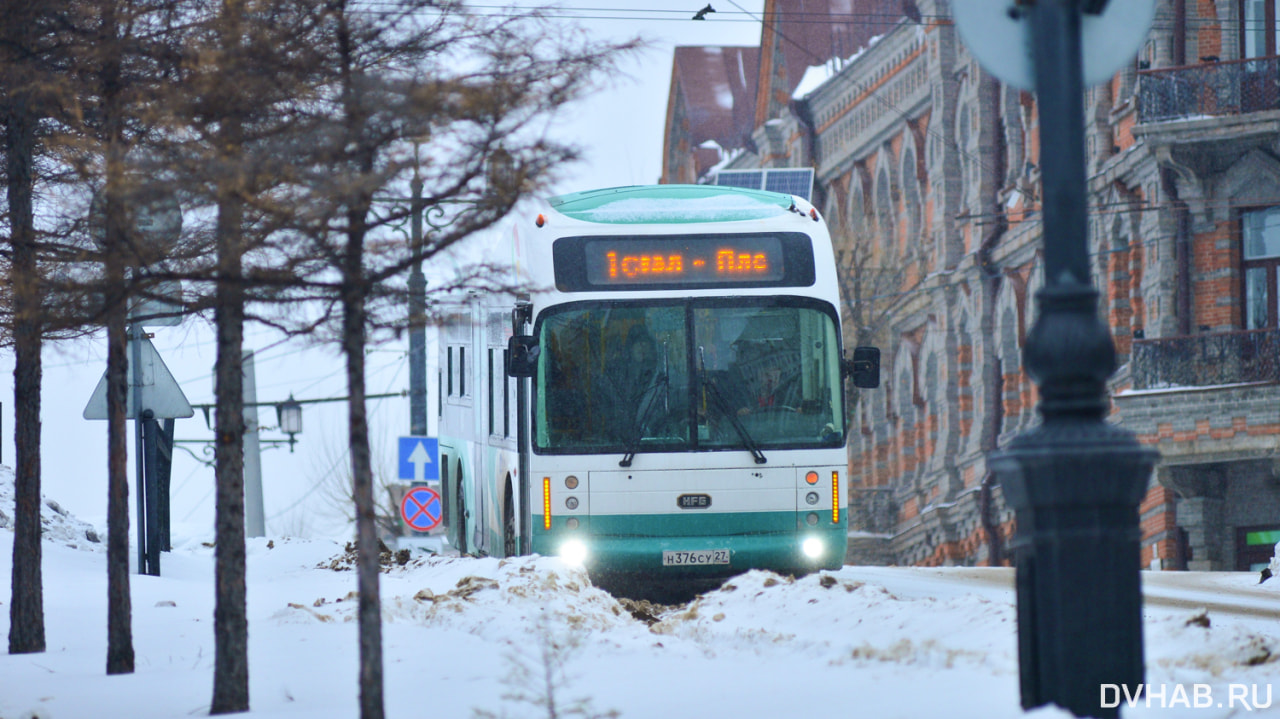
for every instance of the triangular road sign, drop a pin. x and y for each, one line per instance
(160, 392)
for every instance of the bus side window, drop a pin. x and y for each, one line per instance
(449, 364)
(444, 489)
(506, 399)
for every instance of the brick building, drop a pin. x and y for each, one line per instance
(926, 168)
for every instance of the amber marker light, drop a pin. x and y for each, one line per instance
(811, 478)
(835, 496)
(813, 213)
(546, 503)
(540, 220)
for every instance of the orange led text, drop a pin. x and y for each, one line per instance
(632, 266)
(730, 262)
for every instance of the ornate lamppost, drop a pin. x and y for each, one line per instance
(1075, 480)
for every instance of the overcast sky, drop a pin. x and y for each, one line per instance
(620, 127)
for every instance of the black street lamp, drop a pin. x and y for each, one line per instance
(289, 419)
(1075, 480)
(500, 173)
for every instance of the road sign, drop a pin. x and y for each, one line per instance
(999, 36)
(157, 220)
(419, 459)
(421, 509)
(161, 306)
(160, 391)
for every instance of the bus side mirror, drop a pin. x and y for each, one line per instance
(864, 368)
(522, 356)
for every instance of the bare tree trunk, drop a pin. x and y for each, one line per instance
(26, 612)
(992, 385)
(230, 615)
(230, 629)
(370, 612)
(119, 602)
(120, 656)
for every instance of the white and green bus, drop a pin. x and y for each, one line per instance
(668, 401)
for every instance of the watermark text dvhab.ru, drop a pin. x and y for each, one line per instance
(1246, 697)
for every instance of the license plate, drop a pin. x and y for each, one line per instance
(695, 558)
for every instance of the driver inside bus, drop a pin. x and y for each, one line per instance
(755, 386)
(640, 376)
(765, 387)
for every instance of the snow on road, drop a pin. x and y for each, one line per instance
(475, 637)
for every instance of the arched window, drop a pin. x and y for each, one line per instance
(884, 209)
(857, 215)
(911, 199)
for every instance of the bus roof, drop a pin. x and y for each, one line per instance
(675, 204)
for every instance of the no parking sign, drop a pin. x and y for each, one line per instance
(421, 509)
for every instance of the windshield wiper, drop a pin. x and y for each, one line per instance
(723, 405)
(633, 445)
(663, 380)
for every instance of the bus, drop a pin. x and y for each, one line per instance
(667, 402)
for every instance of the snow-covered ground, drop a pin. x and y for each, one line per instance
(470, 637)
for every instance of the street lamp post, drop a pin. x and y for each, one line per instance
(1075, 480)
(417, 313)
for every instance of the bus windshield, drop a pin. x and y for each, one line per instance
(688, 375)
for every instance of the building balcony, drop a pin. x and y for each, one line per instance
(1205, 398)
(1209, 90)
(1206, 360)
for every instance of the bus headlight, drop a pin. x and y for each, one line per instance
(574, 552)
(812, 547)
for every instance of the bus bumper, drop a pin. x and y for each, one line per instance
(791, 552)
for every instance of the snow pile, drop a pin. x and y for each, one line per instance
(482, 637)
(1198, 648)
(848, 619)
(56, 524)
(490, 600)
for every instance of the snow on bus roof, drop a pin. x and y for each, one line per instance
(672, 204)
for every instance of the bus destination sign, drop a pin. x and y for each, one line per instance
(595, 263)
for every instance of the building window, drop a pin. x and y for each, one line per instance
(1261, 253)
(1254, 547)
(1258, 28)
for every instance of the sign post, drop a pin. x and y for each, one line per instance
(1075, 481)
(153, 395)
(155, 227)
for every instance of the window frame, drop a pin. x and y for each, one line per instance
(1270, 28)
(1270, 264)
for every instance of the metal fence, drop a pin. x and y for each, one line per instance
(1206, 360)
(1212, 89)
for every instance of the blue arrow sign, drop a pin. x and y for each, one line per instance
(419, 459)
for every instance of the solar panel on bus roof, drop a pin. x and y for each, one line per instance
(748, 179)
(790, 182)
(798, 182)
